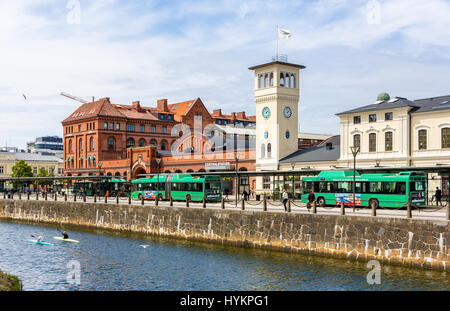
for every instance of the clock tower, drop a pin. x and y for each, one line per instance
(276, 97)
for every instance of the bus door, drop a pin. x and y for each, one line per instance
(417, 188)
(168, 187)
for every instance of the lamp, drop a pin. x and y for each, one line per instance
(158, 161)
(236, 158)
(355, 151)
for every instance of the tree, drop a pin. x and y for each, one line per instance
(44, 173)
(21, 169)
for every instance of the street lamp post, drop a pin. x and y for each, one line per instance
(236, 158)
(293, 181)
(355, 151)
(158, 161)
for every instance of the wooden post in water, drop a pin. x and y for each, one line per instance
(129, 199)
(314, 207)
(222, 203)
(265, 205)
(288, 206)
(374, 209)
(242, 204)
(171, 201)
(342, 208)
(408, 210)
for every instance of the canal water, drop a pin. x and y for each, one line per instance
(124, 261)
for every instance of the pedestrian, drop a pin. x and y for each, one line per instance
(245, 195)
(438, 196)
(311, 199)
(285, 198)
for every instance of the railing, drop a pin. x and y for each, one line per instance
(287, 206)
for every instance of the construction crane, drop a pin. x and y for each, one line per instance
(76, 98)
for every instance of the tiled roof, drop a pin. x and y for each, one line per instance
(102, 107)
(321, 152)
(181, 109)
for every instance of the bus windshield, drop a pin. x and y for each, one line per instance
(212, 186)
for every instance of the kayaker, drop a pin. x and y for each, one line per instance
(65, 235)
(40, 238)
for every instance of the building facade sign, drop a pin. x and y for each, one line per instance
(217, 166)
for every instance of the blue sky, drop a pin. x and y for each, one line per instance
(180, 50)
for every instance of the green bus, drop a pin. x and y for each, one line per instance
(385, 190)
(113, 186)
(177, 186)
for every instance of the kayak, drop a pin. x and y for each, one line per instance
(43, 243)
(65, 240)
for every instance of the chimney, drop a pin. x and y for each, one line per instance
(217, 112)
(233, 115)
(241, 115)
(136, 104)
(162, 105)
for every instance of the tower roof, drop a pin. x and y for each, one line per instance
(277, 62)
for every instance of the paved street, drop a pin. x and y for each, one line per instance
(431, 213)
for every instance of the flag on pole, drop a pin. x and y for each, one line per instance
(283, 33)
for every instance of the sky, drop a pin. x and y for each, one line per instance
(147, 50)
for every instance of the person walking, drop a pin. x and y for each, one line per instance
(245, 195)
(285, 198)
(311, 199)
(438, 196)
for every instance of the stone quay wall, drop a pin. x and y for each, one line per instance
(410, 242)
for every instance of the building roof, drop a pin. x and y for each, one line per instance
(328, 150)
(419, 105)
(101, 107)
(36, 157)
(181, 109)
(277, 62)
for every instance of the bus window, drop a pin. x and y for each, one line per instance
(401, 188)
(375, 186)
(307, 186)
(212, 187)
(323, 187)
(344, 187)
(417, 186)
(358, 187)
(389, 187)
(316, 186)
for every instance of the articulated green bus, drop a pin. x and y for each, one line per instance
(112, 186)
(179, 186)
(385, 190)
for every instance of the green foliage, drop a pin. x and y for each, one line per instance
(44, 173)
(21, 169)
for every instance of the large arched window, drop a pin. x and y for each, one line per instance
(445, 137)
(94, 164)
(271, 79)
(287, 80)
(266, 80)
(293, 84)
(80, 144)
(163, 145)
(141, 142)
(388, 141)
(357, 140)
(372, 142)
(130, 142)
(260, 81)
(70, 146)
(281, 79)
(263, 150)
(111, 143)
(422, 139)
(269, 150)
(153, 143)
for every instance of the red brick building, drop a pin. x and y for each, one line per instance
(101, 138)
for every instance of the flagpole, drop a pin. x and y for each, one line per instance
(276, 55)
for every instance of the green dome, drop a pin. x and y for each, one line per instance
(383, 96)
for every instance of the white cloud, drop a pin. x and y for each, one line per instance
(148, 50)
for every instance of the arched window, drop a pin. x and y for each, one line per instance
(372, 142)
(287, 80)
(167, 172)
(263, 150)
(266, 80)
(117, 174)
(153, 143)
(189, 171)
(163, 145)
(281, 79)
(130, 142)
(111, 143)
(178, 171)
(260, 81)
(422, 139)
(70, 146)
(269, 150)
(388, 141)
(293, 81)
(91, 144)
(271, 79)
(72, 163)
(93, 161)
(357, 140)
(445, 137)
(141, 142)
(109, 174)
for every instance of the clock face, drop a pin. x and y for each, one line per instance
(287, 112)
(266, 112)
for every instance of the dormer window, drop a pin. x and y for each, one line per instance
(161, 117)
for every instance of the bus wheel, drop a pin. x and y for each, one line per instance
(321, 201)
(188, 197)
(375, 202)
